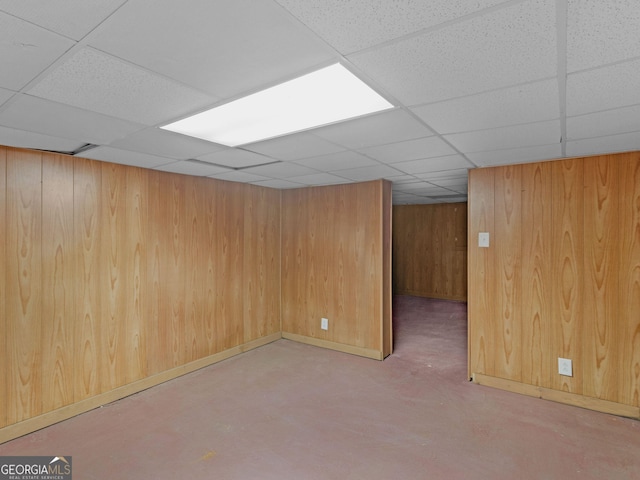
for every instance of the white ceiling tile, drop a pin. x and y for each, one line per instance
(236, 158)
(319, 179)
(169, 144)
(5, 95)
(610, 122)
(295, 147)
(516, 155)
(57, 120)
(610, 144)
(540, 133)
(281, 184)
(189, 167)
(450, 181)
(115, 155)
(354, 25)
(239, 176)
(450, 162)
(409, 150)
(369, 173)
(600, 32)
(72, 18)
(445, 174)
(337, 161)
(404, 179)
(532, 102)
(281, 170)
(223, 47)
(388, 127)
(26, 50)
(20, 138)
(98, 82)
(517, 44)
(604, 88)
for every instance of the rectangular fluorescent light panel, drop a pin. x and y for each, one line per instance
(325, 96)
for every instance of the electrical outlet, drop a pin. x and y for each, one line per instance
(483, 239)
(565, 367)
(324, 324)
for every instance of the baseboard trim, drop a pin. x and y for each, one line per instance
(340, 347)
(567, 398)
(30, 425)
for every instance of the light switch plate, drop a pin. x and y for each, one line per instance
(483, 239)
(324, 324)
(564, 367)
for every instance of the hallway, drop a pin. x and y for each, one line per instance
(294, 411)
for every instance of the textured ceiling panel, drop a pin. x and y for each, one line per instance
(115, 155)
(49, 118)
(319, 179)
(337, 161)
(223, 47)
(26, 50)
(532, 102)
(369, 173)
(192, 168)
(167, 144)
(387, 127)
(294, 147)
(281, 170)
(279, 184)
(94, 81)
(5, 95)
(72, 18)
(354, 25)
(409, 150)
(19, 138)
(450, 162)
(516, 155)
(611, 144)
(541, 133)
(516, 45)
(234, 158)
(610, 122)
(239, 176)
(604, 88)
(437, 176)
(601, 32)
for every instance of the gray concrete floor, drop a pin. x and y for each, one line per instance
(293, 411)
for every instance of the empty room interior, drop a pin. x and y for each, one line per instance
(360, 239)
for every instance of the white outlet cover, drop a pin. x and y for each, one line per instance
(564, 367)
(324, 324)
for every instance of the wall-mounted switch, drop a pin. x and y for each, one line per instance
(564, 367)
(483, 239)
(324, 324)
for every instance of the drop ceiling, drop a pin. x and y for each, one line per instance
(473, 84)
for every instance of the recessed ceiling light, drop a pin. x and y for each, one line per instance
(325, 96)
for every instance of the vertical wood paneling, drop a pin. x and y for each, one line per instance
(332, 263)
(157, 319)
(508, 248)
(567, 265)
(536, 274)
(87, 208)
(387, 293)
(481, 292)
(136, 221)
(430, 250)
(212, 280)
(629, 311)
(261, 263)
(114, 273)
(58, 270)
(23, 285)
(196, 260)
(601, 261)
(4, 346)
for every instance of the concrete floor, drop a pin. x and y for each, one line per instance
(293, 411)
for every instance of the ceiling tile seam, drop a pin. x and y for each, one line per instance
(519, 147)
(595, 137)
(523, 124)
(483, 92)
(605, 110)
(561, 44)
(604, 65)
(435, 28)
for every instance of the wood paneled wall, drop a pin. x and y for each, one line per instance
(112, 274)
(333, 266)
(430, 250)
(560, 278)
